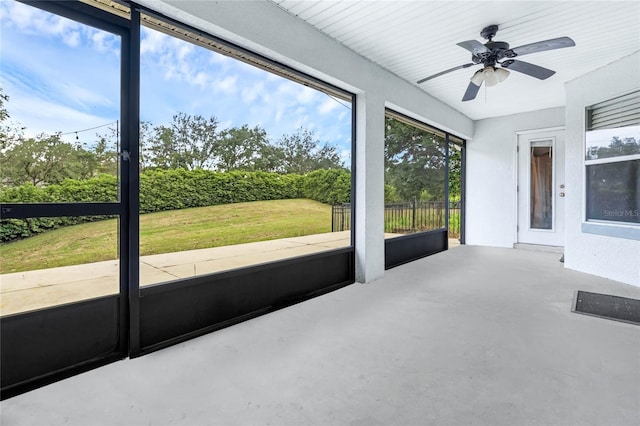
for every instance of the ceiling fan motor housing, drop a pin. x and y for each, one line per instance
(496, 50)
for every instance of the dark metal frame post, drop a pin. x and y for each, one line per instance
(123, 167)
(463, 203)
(133, 192)
(353, 198)
(446, 185)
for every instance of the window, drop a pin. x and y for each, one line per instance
(60, 133)
(419, 159)
(240, 162)
(612, 160)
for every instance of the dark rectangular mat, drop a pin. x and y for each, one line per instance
(607, 306)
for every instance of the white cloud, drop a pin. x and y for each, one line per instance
(71, 38)
(184, 50)
(106, 42)
(218, 58)
(42, 116)
(278, 115)
(225, 124)
(292, 92)
(306, 94)
(99, 41)
(83, 96)
(226, 85)
(152, 41)
(327, 106)
(345, 157)
(201, 79)
(306, 123)
(251, 93)
(35, 21)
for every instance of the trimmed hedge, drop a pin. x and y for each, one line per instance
(162, 190)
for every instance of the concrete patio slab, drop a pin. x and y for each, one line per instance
(471, 336)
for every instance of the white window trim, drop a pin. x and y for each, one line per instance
(617, 229)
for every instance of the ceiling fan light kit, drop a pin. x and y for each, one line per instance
(494, 53)
(490, 76)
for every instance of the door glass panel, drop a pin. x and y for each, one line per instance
(541, 201)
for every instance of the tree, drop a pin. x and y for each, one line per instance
(145, 155)
(301, 153)
(455, 172)
(106, 150)
(45, 160)
(8, 132)
(617, 147)
(189, 143)
(4, 98)
(243, 148)
(415, 161)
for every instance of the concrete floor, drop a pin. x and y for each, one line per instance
(474, 335)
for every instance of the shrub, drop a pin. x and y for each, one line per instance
(160, 190)
(330, 186)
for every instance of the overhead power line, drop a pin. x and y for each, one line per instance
(90, 128)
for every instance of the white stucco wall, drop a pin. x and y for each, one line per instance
(264, 28)
(490, 180)
(615, 258)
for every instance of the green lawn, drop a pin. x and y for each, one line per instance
(170, 231)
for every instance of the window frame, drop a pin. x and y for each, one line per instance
(602, 226)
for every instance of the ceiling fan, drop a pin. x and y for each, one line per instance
(494, 53)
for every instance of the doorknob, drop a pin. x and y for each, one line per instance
(562, 194)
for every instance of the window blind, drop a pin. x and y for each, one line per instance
(618, 112)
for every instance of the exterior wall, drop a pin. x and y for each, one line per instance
(610, 257)
(264, 28)
(491, 179)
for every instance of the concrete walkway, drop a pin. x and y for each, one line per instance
(471, 336)
(26, 291)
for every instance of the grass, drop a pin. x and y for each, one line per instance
(170, 231)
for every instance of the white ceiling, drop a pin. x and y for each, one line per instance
(415, 39)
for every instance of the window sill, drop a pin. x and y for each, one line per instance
(630, 232)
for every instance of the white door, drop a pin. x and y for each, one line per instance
(541, 188)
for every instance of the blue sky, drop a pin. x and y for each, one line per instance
(63, 76)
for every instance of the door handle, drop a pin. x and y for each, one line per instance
(562, 194)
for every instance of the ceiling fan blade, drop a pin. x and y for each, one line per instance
(473, 46)
(554, 43)
(471, 93)
(459, 67)
(529, 69)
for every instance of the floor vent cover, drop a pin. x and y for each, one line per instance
(607, 306)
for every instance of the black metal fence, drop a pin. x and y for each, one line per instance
(406, 218)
